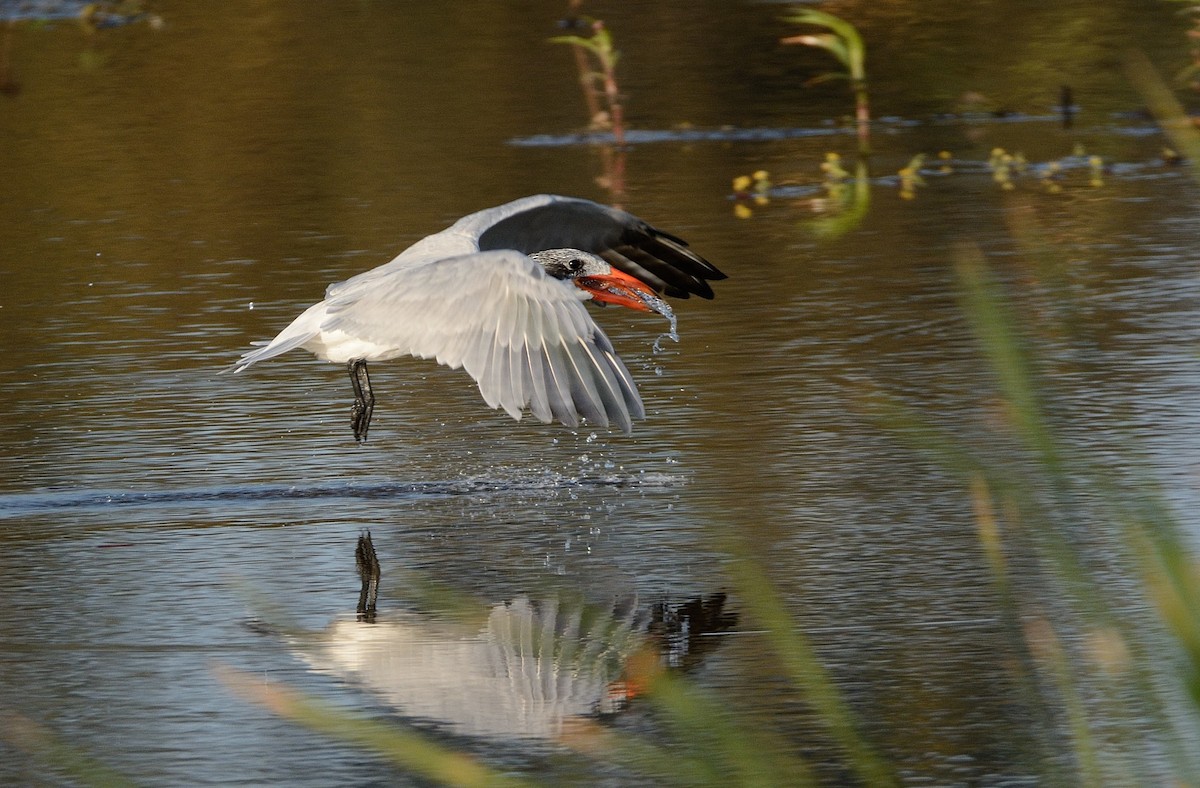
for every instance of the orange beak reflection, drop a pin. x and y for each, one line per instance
(618, 288)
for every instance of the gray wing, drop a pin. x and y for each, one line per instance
(526, 338)
(534, 224)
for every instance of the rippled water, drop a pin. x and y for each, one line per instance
(173, 194)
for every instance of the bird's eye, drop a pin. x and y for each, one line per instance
(576, 265)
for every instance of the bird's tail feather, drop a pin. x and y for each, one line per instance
(270, 350)
(303, 328)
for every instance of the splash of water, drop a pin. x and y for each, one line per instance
(654, 304)
(663, 308)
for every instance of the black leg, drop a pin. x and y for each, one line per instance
(364, 399)
(368, 571)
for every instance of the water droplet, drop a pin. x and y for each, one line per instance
(664, 309)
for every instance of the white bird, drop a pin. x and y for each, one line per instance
(501, 294)
(529, 670)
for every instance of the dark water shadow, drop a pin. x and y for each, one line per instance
(1127, 124)
(22, 504)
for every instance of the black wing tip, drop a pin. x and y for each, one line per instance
(700, 288)
(676, 253)
(673, 268)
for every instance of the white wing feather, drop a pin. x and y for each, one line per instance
(526, 338)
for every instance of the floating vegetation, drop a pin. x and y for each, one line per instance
(840, 198)
(762, 183)
(1051, 177)
(835, 173)
(750, 186)
(755, 188)
(910, 177)
(1006, 168)
(1001, 164)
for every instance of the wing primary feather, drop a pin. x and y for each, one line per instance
(535, 385)
(629, 389)
(485, 375)
(655, 272)
(558, 387)
(518, 370)
(580, 390)
(676, 251)
(633, 400)
(534, 364)
(612, 397)
(583, 386)
(500, 380)
(516, 373)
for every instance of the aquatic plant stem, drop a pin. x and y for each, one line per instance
(591, 96)
(862, 118)
(616, 111)
(1165, 108)
(845, 44)
(600, 45)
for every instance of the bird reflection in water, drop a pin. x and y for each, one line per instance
(530, 667)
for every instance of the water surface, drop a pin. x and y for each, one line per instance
(172, 194)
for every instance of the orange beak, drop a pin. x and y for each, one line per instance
(618, 288)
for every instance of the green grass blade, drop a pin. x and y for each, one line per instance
(805, 670)
(24, 735)
(407, 749)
